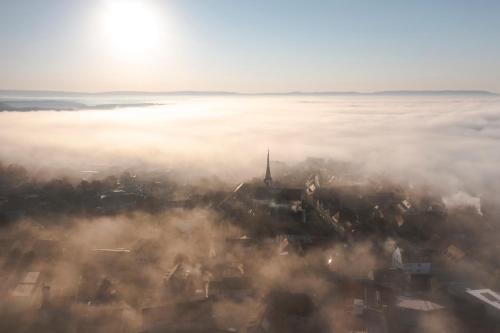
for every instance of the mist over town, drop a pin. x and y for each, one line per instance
(186, 224)
(270, 166)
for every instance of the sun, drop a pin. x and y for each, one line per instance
(131, 27)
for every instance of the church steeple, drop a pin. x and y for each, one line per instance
(268, 180)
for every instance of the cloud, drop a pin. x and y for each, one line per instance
(448, 142)
(461, 199)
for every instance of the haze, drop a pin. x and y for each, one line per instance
(447, 141)
(264, 166)
(264, 46)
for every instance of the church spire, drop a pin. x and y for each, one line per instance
(268, 180)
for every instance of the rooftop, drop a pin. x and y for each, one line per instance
(417, 304)
(487, 296)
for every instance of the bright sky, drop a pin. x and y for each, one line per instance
(249, 46)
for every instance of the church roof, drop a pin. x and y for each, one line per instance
(268, 180)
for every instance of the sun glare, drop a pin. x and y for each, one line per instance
(132, 28)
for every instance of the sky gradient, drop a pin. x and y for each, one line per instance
(252, 46)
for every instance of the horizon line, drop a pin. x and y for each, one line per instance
(222, 92)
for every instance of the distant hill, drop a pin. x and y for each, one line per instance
(435, 92)
(48, 93)
(22, 105)
(51, 94)
(395, 93)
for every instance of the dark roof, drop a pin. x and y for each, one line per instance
(191, 316)
(287, 303)
(277, 194)
(230, 283)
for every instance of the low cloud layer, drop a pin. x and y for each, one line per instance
(448, 142)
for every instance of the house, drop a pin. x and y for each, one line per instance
(287, 312)
(417, 268)
(489, 299)
(25, 292)
(191, 316)
(408, 312)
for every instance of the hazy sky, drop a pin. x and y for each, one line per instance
(267, 45)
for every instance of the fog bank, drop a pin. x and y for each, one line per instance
(450, 141)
